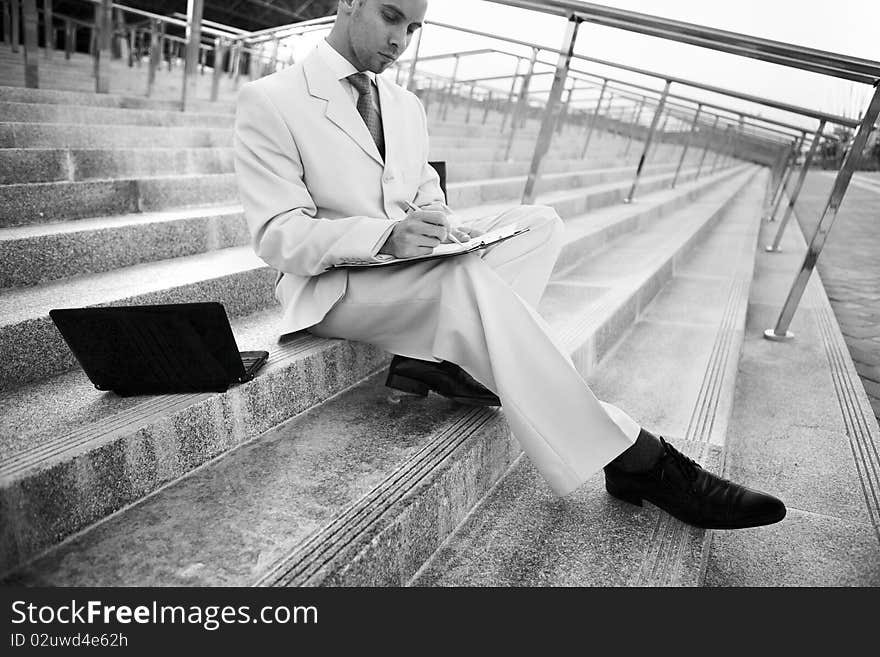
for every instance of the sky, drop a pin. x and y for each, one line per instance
(850, 27)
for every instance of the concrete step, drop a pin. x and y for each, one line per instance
(37, 253)
(73, 135)
(692, 333)
(58, 97)
(108, 116)
(46, 202)
(43, 456)
(36, 349)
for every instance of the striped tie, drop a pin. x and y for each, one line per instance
(367, 108)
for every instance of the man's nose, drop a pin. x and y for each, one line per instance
(397, 40)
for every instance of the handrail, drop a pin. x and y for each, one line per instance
(830, 118)
(845, 67)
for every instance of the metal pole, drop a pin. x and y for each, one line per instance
(48, 28)
(508, 108)
(219, 54)
(548, 124)
(634, 127)
(687, 144)
(797, 187)
(727, 139)
(654, 121)
(781, 332)
(31, 50)
(560, 122)
(415, 58)
(155, 55)
(69, 38)
(784, 186)
(194, 9)
(7, 19)
(594, 119)
(447, 99)
(780, 179)
(15, 20)
(709, 138)
(470, 100)
(488, 102)
(523, 98)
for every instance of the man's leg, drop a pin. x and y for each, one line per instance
(463, 311)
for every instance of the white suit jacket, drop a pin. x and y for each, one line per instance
(313, 185)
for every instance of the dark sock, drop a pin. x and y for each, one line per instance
(643, 454)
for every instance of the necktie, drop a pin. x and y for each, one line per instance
(367, 109)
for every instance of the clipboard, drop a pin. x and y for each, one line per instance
(440, 251)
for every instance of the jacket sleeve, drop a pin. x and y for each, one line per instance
(280, 212)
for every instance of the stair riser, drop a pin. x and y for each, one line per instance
(36, 260)
(53, 97)
(38, 113)
(42, 509)
(34, 349)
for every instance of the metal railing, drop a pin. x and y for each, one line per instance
(731, 133)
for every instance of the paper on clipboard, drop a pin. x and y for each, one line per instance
(441, 250)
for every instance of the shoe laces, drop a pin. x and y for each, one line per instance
(689, 467)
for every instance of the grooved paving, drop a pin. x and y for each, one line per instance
(850, 267)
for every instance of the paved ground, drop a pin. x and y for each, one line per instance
(850, 267)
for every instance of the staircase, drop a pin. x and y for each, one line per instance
(314, 473)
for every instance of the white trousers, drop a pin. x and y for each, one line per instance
(478, 311)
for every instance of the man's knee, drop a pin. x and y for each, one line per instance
(543, 217)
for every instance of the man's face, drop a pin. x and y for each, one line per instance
(380, 30)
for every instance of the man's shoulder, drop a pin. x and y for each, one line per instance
(398, 92)
(285, 81)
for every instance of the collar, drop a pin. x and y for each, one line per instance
(339, 65)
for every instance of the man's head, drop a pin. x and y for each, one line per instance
(372, 34)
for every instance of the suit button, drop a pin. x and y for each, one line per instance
(388, 177)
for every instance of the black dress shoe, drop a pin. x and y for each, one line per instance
(682, 488)
(448, 379)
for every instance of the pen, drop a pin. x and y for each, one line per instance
(414, 207)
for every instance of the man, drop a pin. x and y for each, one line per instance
(327, 156)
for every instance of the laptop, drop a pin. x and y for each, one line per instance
(160, 349)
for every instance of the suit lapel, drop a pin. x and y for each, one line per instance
(392, 124)
(340, 110)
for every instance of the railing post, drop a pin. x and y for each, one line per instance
(709, 137)
(727, 137)
(219, 55)
(814, 145)
(563, 113)
(488, 106)
(777, 200)
(687, 144)
(7, 20)
(548, 124)
(829, 214)
(69, 38)
(508, 108)
(15, 20)
(783, 168)
(470, 99)
(194, 9)
(155, 55)
(594, 119)
(520, 104)
(447, 99)
(415, 58)
(48, 29)
(650, 138)
(31, 49)
(634, 127)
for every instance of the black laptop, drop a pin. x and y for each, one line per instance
(169, 348)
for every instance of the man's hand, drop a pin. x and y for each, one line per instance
(417, 235)
(461, 233)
